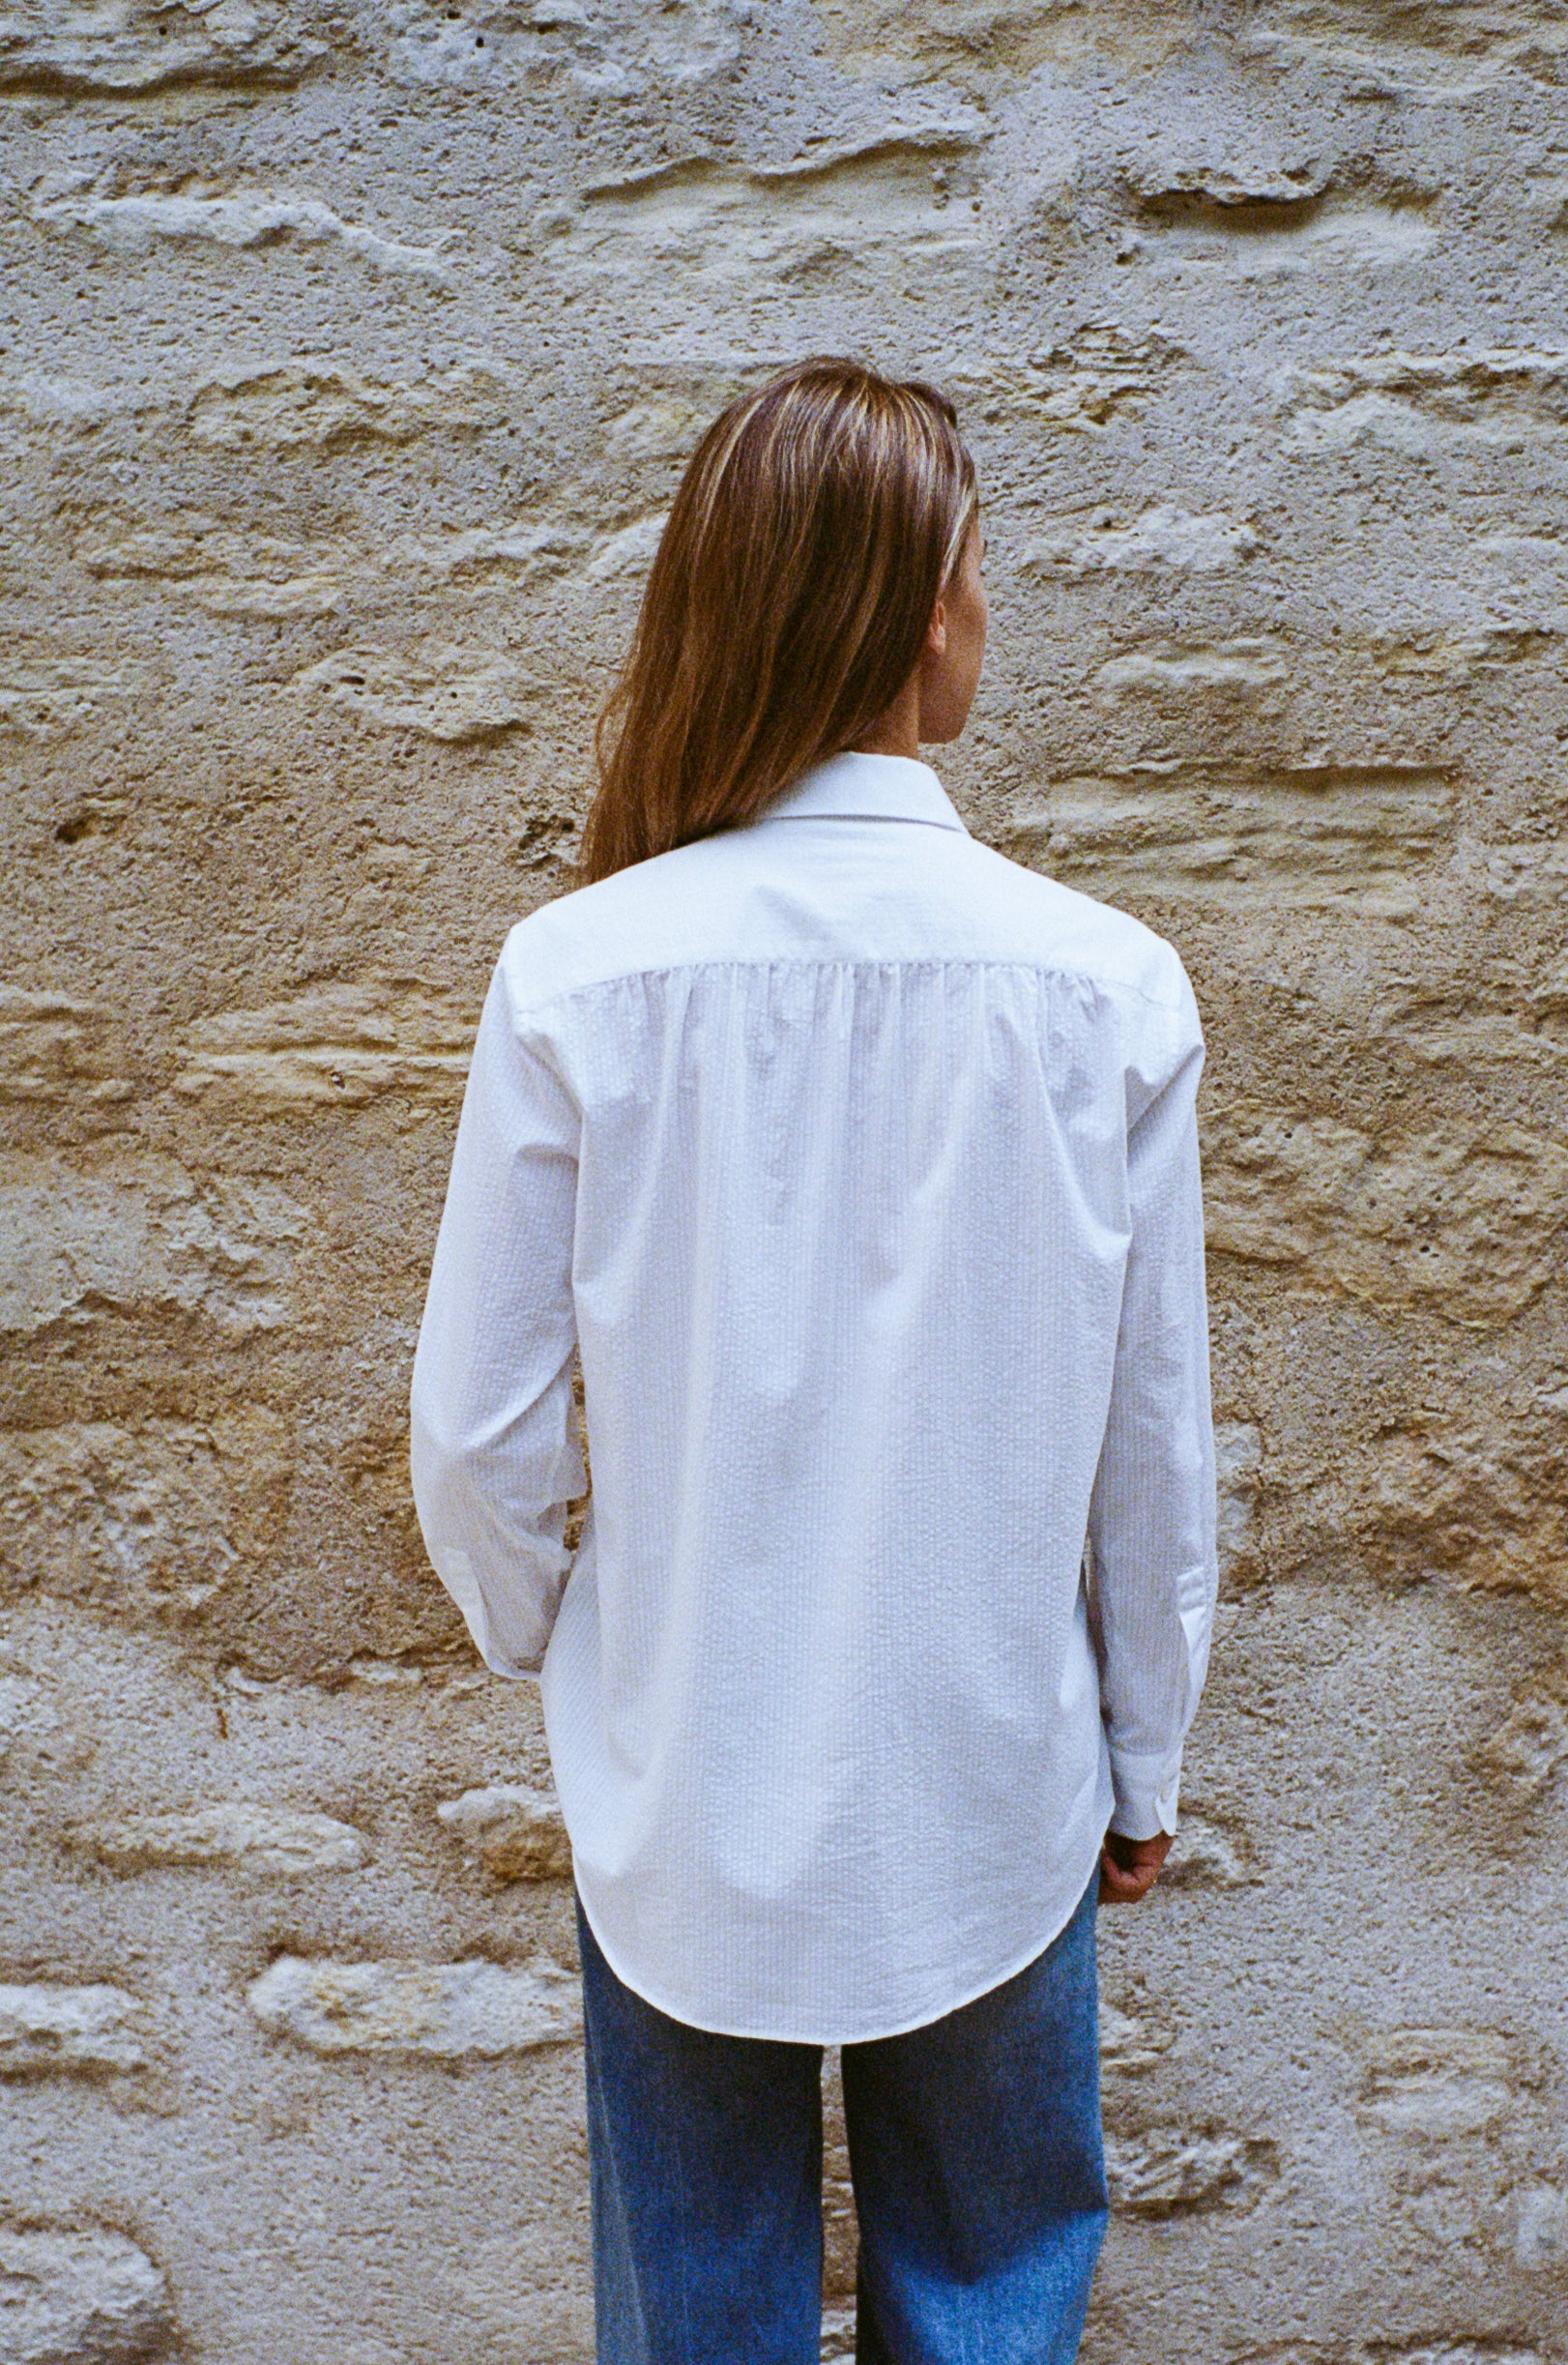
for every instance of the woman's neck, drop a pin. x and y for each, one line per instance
(897, 732)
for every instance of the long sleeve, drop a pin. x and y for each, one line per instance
(1152, 1513)
(494, 1454)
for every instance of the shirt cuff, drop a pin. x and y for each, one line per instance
(1146, 1790)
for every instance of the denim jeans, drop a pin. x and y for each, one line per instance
(975, 2147)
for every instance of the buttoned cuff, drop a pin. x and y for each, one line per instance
(1146, 1790)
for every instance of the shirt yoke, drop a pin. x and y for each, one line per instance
(833, 890)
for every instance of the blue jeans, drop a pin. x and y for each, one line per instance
(975, 2147)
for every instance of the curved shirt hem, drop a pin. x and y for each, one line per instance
(923, 2019)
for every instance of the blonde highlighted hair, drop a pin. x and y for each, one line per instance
(816, 523)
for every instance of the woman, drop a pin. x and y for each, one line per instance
(859, 1165)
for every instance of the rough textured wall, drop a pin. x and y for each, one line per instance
(350, 351)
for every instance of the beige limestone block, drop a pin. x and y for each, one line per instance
(1483, 1493)
(327, 406)
(1082, 386)
(838, 2334)
(91, 816)
(1527, 871)
(1130, 2042)
(445, 692)
(1239, 1452)
(447, 2010)
(515, 1830)
(38, 1741)
(1165, 2173)
(376, 1675)
(171, 553)
(135, 46)
(152, 1521)
(565, 539)
(1471, 1023)
(32, 397)
(672, 407)
(1162, 537)
(1382, 2349)
(1234, 667)
(134, 1231)
(228, 573)
(1474, 37)
(53, 2029)
(21, 1710)
(593, 524)
(374, 1464)
(626, 552)
(1541, 2228)
(1196, 233)
(138, 220)
(1209, 1852)
(1435, 2082)
(55, 1049)
(525, 550)
(1461, 654)
(1510, 397)
(1179, 180)
(332, 1046)
(617, 49)
(905, 207)
(1439, 2352)
(1462, 1221)
(233, 1835)
(1531, 1742)
(43, 694)
(70, 2296)
(566, 543)
(1314, 836)
(894, 38)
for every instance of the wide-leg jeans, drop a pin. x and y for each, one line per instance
(975, 2147)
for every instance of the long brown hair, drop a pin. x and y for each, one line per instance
(816, 523)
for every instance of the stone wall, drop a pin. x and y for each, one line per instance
(350, 351)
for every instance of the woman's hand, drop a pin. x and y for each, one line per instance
(1130, 1867)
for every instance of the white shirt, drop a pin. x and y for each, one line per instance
(860, 1165)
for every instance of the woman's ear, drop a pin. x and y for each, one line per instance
(936, 632)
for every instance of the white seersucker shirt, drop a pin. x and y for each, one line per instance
(860, 1165)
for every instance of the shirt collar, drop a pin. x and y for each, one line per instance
(853, 787)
